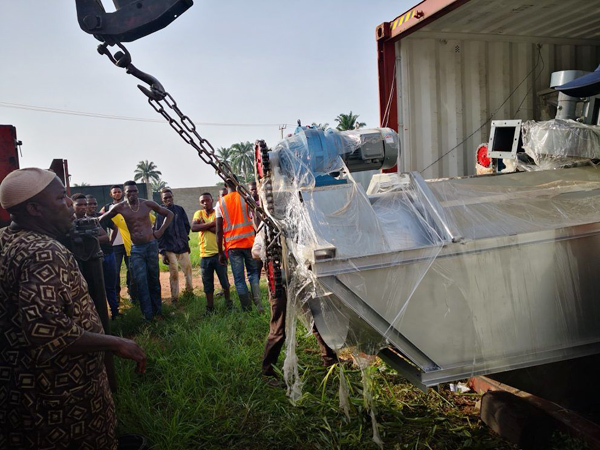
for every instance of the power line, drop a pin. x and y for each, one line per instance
(134, 119)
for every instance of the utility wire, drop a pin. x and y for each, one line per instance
(135, 119)
(540, 58)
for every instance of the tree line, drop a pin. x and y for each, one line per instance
(239, 156)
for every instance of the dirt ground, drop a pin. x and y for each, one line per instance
(165, 286)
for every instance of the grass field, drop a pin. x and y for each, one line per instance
(203, 389)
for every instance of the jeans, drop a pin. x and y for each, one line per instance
(183, 260)
(238, 257)
(109, 268)
(208, 266)
(145, 273)
(120, 255)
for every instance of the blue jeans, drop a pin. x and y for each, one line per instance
(208, 266)
(145, 273)
(238, 257)
(109, 267)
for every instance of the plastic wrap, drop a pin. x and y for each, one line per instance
(461, 276)
(557, 142)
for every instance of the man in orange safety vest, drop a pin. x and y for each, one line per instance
(235, 237)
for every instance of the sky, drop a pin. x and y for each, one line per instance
(238, 69)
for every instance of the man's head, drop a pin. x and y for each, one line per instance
(254, 190)
(80, 205)
(131, 192)
(116, 193)
(223, 192)
(206, 200)
(37, 200)
(166, 195)
(92, 205)
(230, 184)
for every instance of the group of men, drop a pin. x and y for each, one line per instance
(54, 390)
(140, 239)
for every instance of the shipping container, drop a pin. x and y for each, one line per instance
(447, 68)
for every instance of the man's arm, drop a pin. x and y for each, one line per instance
(94, 342)
(186, 221)
(163, 212)
(222, 258)
(63, 334)
(102, 236)
(110, 214)
(200, 225)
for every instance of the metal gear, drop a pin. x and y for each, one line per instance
(272, 236)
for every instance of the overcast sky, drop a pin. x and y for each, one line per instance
(246, 65)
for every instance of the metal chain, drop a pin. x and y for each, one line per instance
(186, 129)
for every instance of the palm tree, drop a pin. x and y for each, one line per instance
(242, 160)
(224, 154)
(348, 122)
(82, 184)
(157, 185)
(146, 171)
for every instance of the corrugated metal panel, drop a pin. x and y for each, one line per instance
(449, 90)
(570, 19)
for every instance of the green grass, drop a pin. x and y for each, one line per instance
(194, 255)
(203, 389)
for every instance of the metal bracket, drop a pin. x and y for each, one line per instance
(132, 19)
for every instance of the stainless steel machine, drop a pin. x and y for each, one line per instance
(443, 278)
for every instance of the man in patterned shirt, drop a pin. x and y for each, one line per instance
(54, 391)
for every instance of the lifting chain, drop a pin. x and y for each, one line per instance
(163, 103)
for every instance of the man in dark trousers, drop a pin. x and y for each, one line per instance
(120, 251)
(109, 265)
(276, 337)
(144, 248)
(174, 244)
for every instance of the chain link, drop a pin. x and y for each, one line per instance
(186, 129)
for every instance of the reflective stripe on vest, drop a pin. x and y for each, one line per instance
(238, 227)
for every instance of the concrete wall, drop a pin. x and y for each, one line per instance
(185, 197)
(102, 192)
(188, 198)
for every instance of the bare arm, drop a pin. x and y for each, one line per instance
(110, 214)
(222, 258)
(163, 212)
(200, 225)
(95, 342)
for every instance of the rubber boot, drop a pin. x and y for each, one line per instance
(245, 302)
(256, 295)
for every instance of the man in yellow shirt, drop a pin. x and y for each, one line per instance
(204, 223)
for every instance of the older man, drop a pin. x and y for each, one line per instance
(53, 387)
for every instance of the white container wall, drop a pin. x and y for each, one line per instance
(451, 85)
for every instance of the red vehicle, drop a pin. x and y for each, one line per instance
(9, 160)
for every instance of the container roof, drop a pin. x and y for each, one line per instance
(548, 19)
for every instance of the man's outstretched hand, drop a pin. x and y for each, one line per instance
(128, 349)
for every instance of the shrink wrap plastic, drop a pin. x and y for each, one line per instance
(555, 143)
(462, 276)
